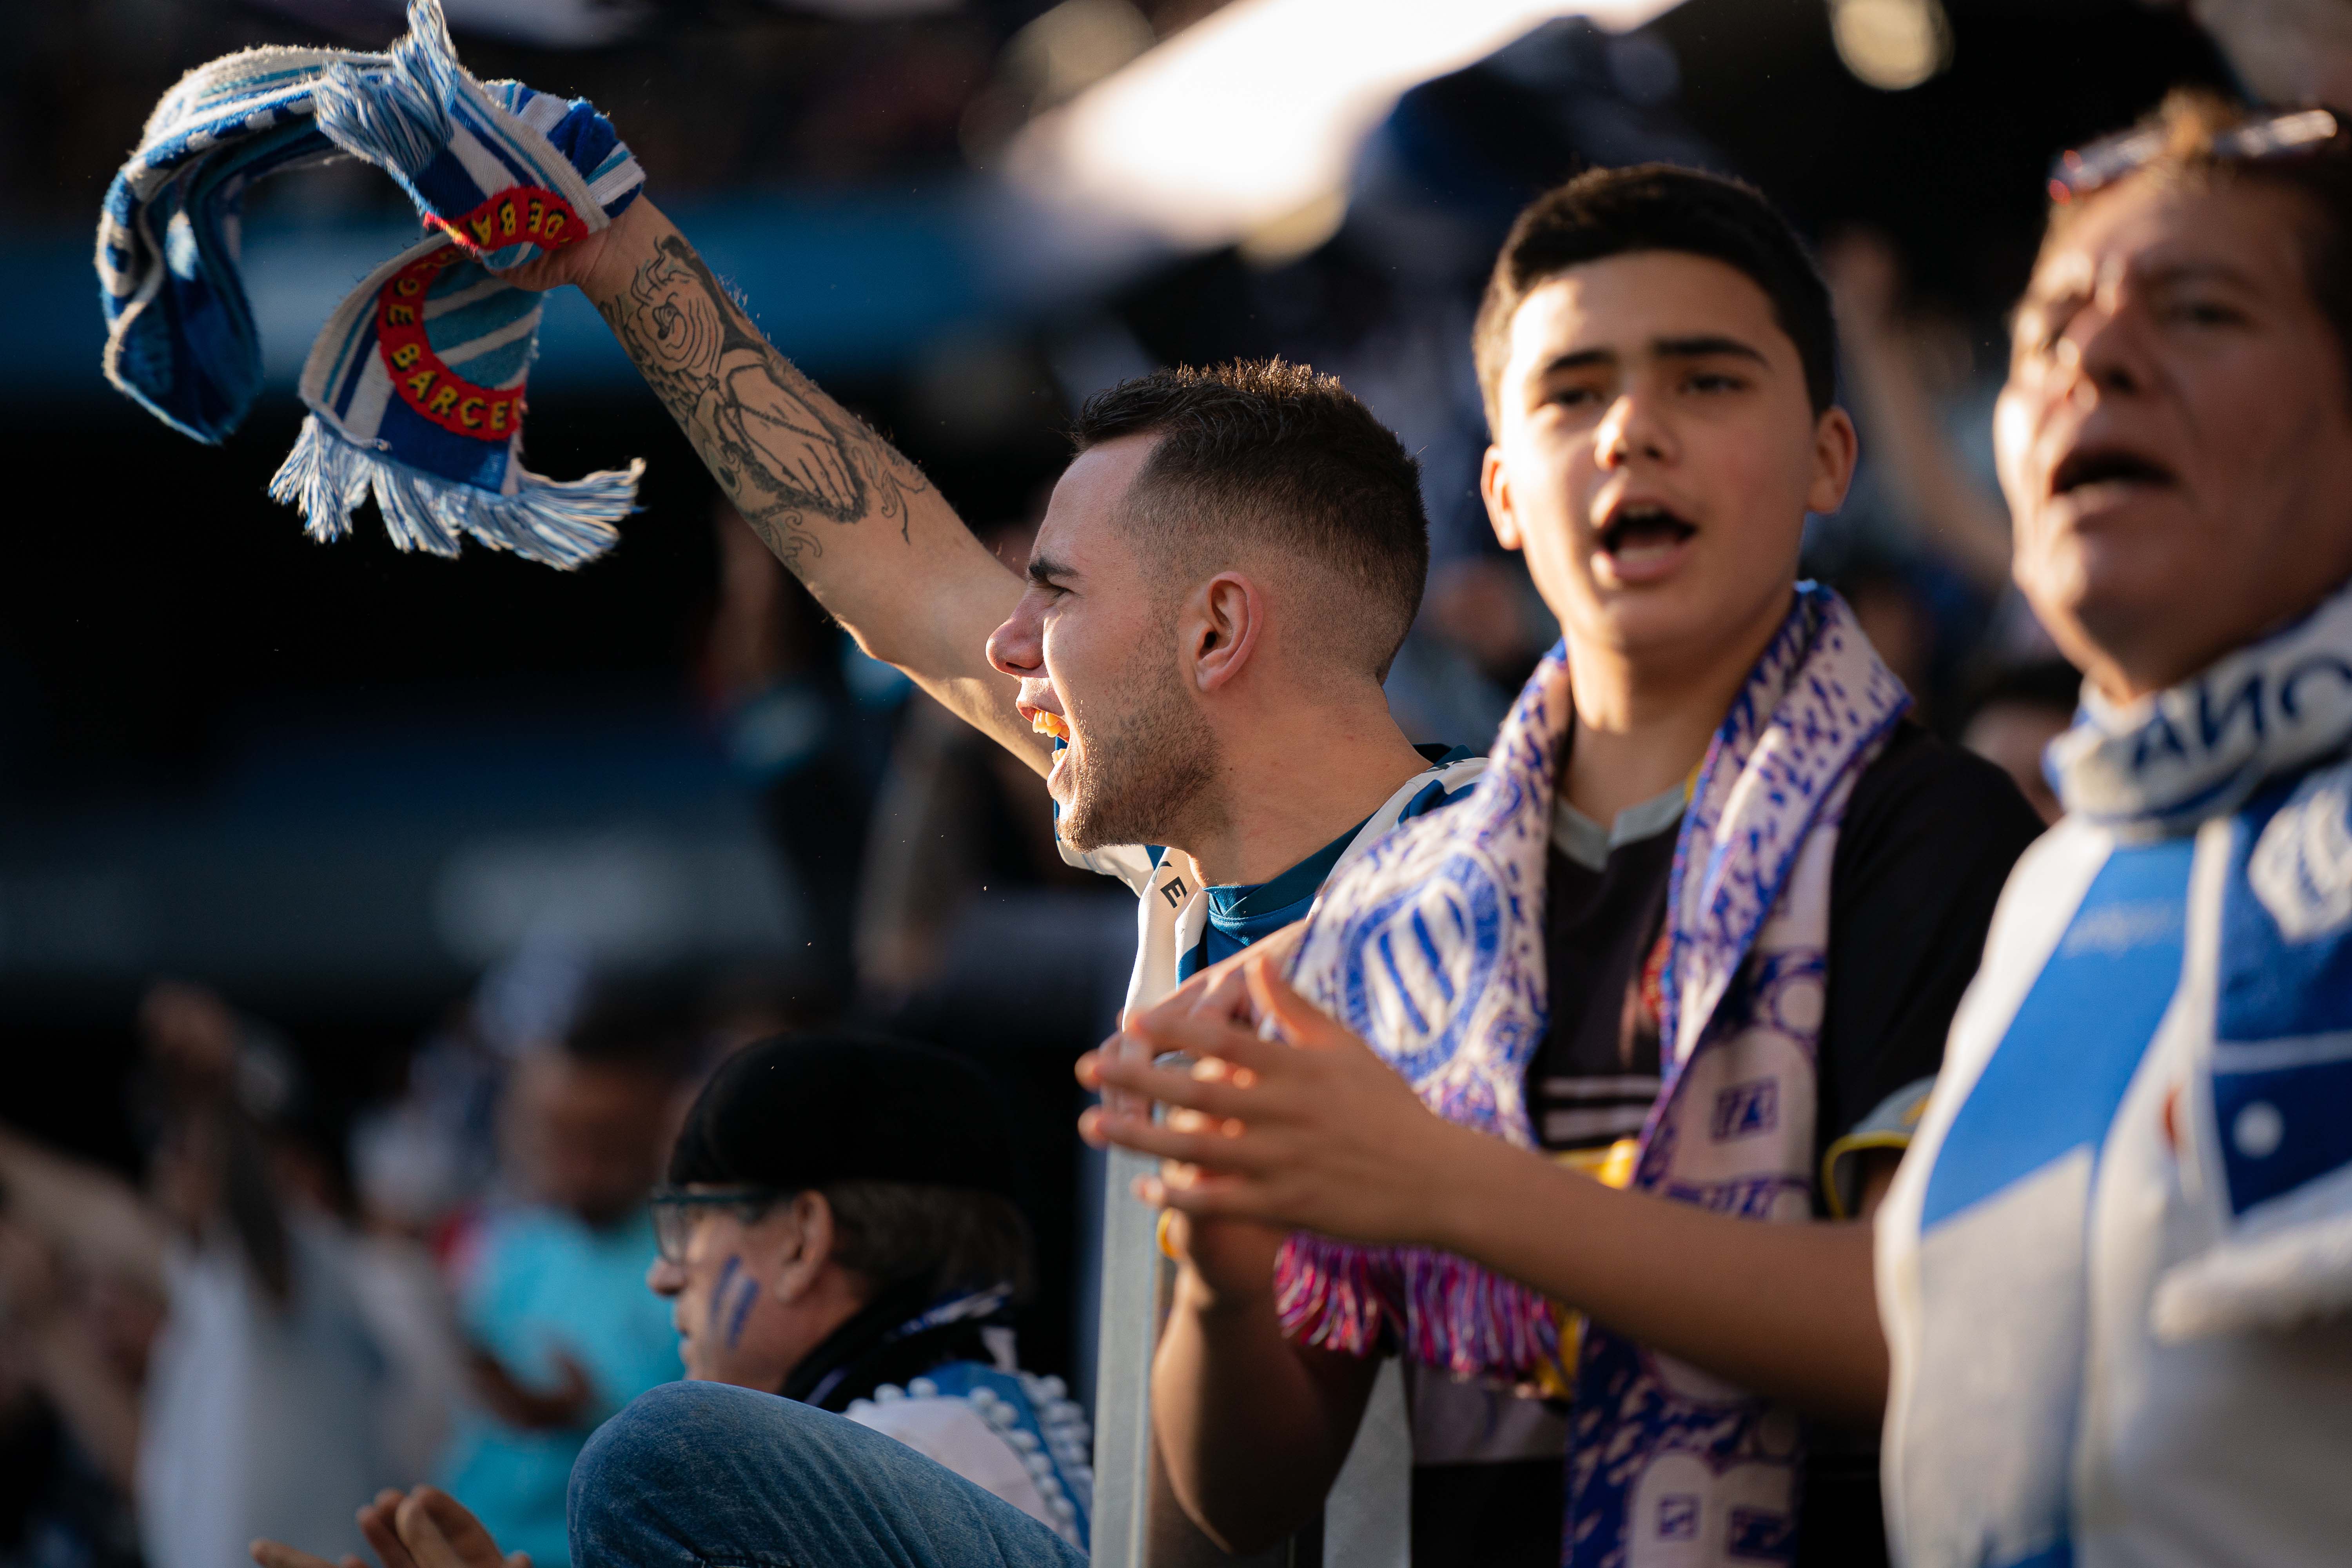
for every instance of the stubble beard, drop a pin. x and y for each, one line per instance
(1146, 777)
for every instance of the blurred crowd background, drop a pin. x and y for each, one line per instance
(366, 919)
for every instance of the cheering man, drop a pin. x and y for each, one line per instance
(1699, 931)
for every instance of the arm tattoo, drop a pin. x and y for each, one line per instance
(787, 455)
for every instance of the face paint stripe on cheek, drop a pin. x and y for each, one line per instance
(743, 1304)
(727, 1273)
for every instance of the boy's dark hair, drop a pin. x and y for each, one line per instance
(1658, 206)
(2191, 118)
(1264, 451)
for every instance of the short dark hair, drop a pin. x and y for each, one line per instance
(950, 1238)
(1658, 206)
(1262, 450)
(2191, 118)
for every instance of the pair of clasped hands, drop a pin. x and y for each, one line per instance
(1284, 1120)
(426, 1528)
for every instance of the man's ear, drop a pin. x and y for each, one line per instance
(1223, 624)
(1495, 490)
(1835, 447)
(805, 1246)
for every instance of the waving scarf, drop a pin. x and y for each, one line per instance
(415, 385)
(1432, 948)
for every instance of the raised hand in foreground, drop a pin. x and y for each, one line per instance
(426, 1528)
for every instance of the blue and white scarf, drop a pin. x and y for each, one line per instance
(2129, 1200)
(1432, 948)
(2197, 750)
(416, 384)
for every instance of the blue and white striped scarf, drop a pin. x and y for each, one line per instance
(416, 384)
(1432, 949)
(2197, 750)
(2115, 1265)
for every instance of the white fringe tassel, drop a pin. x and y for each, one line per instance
(398, 119)
(561, 523)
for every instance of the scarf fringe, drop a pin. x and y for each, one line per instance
(1815, 710)
(396, 119)
(1436, 1308)
(564, 523)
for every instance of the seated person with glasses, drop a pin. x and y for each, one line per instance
(839, 1230)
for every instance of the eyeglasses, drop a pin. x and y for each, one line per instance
(674, 1210)
(2076, 174)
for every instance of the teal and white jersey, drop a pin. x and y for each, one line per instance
(1183, 926)
(2116, 1268)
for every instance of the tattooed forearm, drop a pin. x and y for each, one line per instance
(788, 455)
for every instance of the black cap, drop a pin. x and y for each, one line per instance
(802, 1111)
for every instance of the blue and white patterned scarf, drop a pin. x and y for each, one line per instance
(2197, 750)
(2115, 1267)
(1432, 948)
(416, 384)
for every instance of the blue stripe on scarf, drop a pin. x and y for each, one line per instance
(2079, 1034)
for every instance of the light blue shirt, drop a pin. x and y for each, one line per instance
(543, 1282)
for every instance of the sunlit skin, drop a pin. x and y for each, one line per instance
(753, 1296)
(1095, 641)
(1086, 611)
(1658, 382)
(2174, 438)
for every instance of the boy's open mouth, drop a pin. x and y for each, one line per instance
(1643, 528)
(1051, 724)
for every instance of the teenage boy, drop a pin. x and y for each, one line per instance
(2115, 1269)
(1700, 931)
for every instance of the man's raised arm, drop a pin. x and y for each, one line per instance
(851, 516)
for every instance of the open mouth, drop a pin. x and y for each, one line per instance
(2105, 465)
(1643, 528)
(1051, 724)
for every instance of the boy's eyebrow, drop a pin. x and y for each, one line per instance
(1581, 359)
(1701, 346)
(1046, 571)
(1706, 346)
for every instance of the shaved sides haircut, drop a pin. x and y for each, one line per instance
(1260, 452)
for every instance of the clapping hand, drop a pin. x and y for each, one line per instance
(426, 1528)
(1308, 1129)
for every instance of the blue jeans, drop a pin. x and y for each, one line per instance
(694, 1474)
